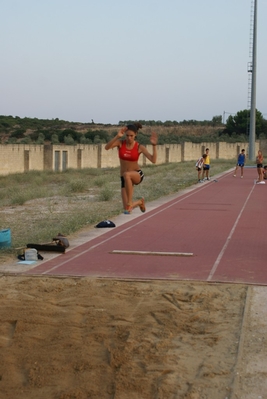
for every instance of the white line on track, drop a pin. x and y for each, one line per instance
(118, 251)
(216, 264)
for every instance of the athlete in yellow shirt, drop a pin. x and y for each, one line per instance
(206, 166)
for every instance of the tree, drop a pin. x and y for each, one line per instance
(216, 120)
(68, 140)
(239, 123)
(54, 139)
(102, 135)
(84, 140)
(18, 133)
(264, 128)
(26, 140)
(40, 139)
(69, 133)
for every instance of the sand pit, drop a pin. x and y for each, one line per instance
(83, 338)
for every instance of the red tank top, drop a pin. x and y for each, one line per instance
(129, 155)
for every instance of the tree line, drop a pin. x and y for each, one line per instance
(18, 130)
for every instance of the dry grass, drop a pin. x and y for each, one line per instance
(38, 205)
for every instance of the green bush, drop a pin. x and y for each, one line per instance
(100, 181)
(77, 186)
(106, 194)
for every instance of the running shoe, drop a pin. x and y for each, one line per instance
(128, 210)
(142, 205)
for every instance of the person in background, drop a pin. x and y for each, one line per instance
(259, 162)
(240, 163)
(129, 151)
(265, 172)
(206, 166)
(199, 166)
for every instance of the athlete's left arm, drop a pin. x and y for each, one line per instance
(142, 149)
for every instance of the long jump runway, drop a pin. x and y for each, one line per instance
(213, 232)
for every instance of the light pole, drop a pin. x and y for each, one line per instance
(252, 127)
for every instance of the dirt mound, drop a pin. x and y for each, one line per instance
(84, 338)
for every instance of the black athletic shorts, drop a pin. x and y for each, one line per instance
(141, 175)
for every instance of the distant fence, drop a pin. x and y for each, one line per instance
(19, 158)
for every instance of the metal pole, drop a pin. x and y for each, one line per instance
(252, 129)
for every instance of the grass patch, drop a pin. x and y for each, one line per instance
(106, 194)
(77, 186)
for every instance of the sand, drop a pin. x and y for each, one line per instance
(101, 339)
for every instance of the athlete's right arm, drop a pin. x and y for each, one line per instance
(115, 142)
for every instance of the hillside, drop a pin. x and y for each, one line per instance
(32, 130)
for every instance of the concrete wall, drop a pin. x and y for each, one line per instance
(18, 158)
(77, 157)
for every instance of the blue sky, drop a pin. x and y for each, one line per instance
(113, 60)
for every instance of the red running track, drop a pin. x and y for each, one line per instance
(222, 224)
